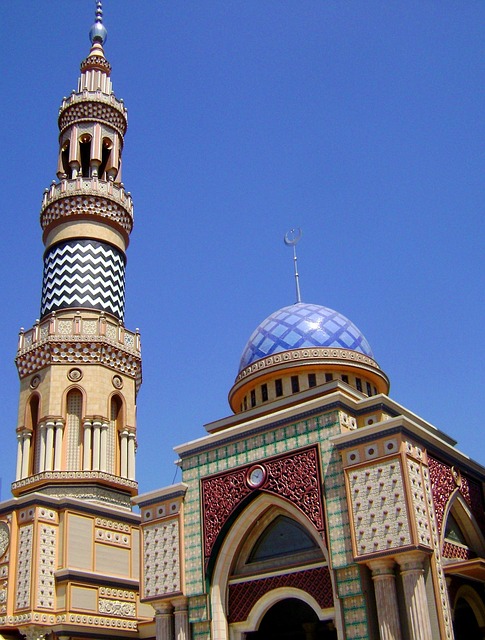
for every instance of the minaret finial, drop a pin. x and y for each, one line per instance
(291, 239)
(98, 32)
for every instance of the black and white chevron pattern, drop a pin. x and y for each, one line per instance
(84, 273)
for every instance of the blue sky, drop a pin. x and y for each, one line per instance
(359, 121)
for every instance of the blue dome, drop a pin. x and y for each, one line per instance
(302, 326)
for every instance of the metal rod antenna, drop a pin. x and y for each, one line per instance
(291, 239)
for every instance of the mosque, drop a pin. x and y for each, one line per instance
(319, 509)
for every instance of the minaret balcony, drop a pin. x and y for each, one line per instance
(93, 105)
(86, 198)
(90, 338)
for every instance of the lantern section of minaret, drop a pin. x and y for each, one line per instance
(79, 367)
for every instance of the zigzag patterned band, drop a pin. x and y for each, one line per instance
(84, 273)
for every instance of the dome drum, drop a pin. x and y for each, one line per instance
(359, 371)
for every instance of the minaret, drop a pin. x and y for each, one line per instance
(79, 367)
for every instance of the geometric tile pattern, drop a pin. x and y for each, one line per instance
(84, 273)
(301, 326)
(243, 596)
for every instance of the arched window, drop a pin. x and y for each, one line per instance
(85, 153)
(283, 537)
(115, 425)
(74, 405)
(31, 420)
(283, 542)
(106, 152)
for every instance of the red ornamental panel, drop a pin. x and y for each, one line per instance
(294, 476)
(455, 551)
(243, 596)
(444, 480)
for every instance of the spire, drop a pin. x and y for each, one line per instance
(292, 237)
(98, 32)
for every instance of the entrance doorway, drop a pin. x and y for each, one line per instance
(465, 624)
(292, 619)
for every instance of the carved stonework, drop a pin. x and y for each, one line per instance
(4, 538)
(243, 596)
(444, 481)
(295, 477)
(117, 608)
(93, 110)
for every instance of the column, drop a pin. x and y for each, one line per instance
(131, 456)
(42, 430)
(58, 445)
(412, 572)
(87, 443)
(103, 455)
(49, 446)
(26, 453)
(181, 615)
(386, 598)
(96, 444)
(18, 473)
(124, 454)
(164, 621)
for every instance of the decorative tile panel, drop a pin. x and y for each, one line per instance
(24, 567)
(47, 566)
(84, 273)
(161, 557)
(418, 499)
(244, 595)
(377, 496)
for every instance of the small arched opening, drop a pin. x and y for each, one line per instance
(292, 619)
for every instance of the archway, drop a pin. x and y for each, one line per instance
(465, 624)
(292, 619)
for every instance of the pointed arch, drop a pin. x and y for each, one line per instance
(73, 438)
(460, 529)
(116, 413)
(235, 549)
(32, 414)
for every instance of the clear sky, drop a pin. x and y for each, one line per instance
(359, 121)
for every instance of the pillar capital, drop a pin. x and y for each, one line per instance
(180, 603)
(163, 608)
(411, 561)
(382, 567)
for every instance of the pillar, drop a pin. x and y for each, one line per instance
(412, 572)
(124, 454)
(49, 446)
(181, 615)
(42, 431)
(96, 444)
(164, 627)
(58, 446)
(26, 453)
(87, 444)
(386, 598)
(103, 453)
(131, 456)
(18, 473)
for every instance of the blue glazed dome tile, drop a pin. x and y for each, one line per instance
(303, 326)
